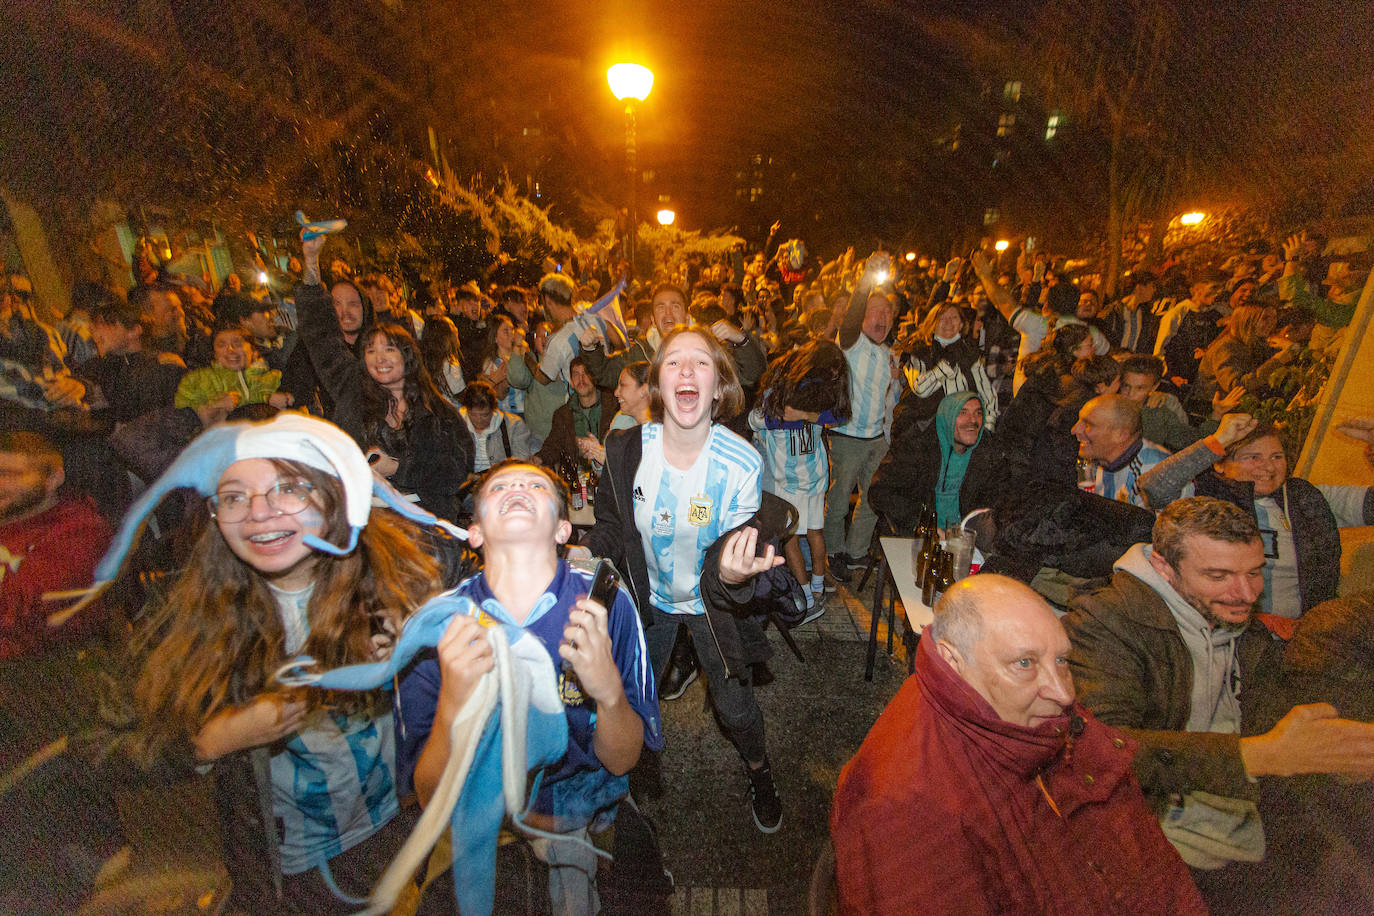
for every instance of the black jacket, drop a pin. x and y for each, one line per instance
(133, 383)
(1033, 434)
(437, 453)
(908, 474)
(1316, 537)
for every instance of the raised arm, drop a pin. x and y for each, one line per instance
(1165, 482)
(1000, 297)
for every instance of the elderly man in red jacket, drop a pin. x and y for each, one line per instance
(984, 787)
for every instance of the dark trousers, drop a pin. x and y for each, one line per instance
(357, 870)
(733, 697)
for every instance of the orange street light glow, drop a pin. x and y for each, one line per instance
(1192, 219)
(630, 81)
(666, 217)
(1002, 245)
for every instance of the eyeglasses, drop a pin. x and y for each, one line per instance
(286, 497)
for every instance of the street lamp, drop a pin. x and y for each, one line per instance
(1192, 219)
(630, 83)
(1002, 245)
(666, 217)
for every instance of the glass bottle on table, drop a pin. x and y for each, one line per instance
(929, 544)
(931, 577)
(567, 469)
(947, 572)
(919, 536)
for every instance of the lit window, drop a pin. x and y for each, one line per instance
(1052, 127)
(755, 195)
(1005, 123)
(1012, 91)
(990, 216)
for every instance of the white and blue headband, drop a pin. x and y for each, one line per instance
(290, 436)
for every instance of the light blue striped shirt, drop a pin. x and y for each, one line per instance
(794, 460)
(680, 513)
(870, 381)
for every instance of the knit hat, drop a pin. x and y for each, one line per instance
(289, 435)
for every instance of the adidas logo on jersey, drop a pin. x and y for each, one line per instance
(639, 495)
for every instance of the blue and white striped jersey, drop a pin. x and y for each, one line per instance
(794, 460)
(870, 381)
(334, 782)
(681, 513)
(1120, 484)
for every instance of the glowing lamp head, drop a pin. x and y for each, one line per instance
(262, 277)
(666, 217)
(911, 255)
(880, 278)
(630, 81)
(1192, 219)
(1002, 245)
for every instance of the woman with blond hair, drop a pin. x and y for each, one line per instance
(1240, 358)
(940, 359)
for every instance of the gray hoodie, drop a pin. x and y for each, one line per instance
(1209, 831)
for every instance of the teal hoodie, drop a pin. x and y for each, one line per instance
(952, 464)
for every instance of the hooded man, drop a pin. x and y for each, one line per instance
(955, 471)
(1168, 653)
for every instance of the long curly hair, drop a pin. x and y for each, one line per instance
(219, 638)
(420, 390)
(812, 378)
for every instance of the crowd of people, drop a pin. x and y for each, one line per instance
(305, 464)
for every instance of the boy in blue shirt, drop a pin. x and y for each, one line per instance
(520, 518)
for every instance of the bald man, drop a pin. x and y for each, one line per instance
(1111, 439)
(984, 787)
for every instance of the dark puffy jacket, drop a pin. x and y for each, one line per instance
(1316, 537)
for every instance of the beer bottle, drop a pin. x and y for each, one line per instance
(931, 577)
(929, 545)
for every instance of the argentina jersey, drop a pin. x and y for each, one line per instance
(684, 511)
(333, 786)
(870, 378)
(794, 460)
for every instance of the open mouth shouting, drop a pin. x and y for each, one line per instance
(687, 397)
(517, 501)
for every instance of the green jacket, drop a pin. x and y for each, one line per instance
(1133, 671)
(203, 386)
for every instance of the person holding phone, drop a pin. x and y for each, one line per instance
(670, 490)
(520, 519)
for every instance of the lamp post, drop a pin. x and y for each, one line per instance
(630, 83)
(666, 217)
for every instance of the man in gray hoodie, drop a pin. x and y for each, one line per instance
(1167, 652)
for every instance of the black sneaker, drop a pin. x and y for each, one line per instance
(839, 567)
(763, 798)
(678, 678)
